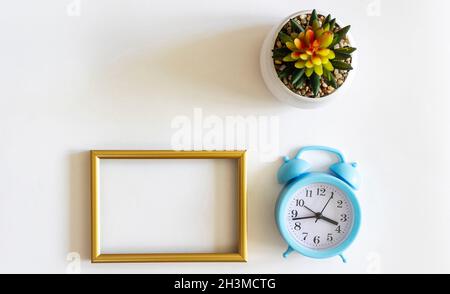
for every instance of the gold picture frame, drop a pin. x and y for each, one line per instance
(239, 256)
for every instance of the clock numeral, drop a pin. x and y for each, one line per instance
(339, 203)
(298, 226)
(330, 237)
(316, 240)
(321, 191)
(300, 202)
(294, 213)
(338, 229)
(305, 235)
(344, 217)
(308, 193)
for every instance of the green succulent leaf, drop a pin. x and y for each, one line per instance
(327, 20)
(296, 26)
(316, 25)
(326, 73)
(309, 72)
(332, 24)
(313, 17)
(285, 37)
(341, 65)
(315, 83)
(339, 35)
(331, 80)
(300, 82)
(341, 56)
(345, 50)
(297, 75)
(285, 72)
(279, 53)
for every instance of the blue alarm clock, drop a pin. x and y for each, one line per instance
(317, 213)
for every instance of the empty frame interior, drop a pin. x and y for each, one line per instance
(168, 206)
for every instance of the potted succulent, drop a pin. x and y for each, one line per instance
(307, 58)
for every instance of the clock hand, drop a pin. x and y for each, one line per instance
(326, 204)
(305, 217)
(318, 215)
(310, 209)
(329, 220)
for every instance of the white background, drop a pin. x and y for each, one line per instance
(116, 75)
(168, 205)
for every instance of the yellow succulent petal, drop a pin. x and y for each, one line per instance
(309, 37)
(309, 52)
(326, 28)
(317, 60)
(325, 60)
(323, 52)
(319, 33)
(304, 56)
(293, 35)
(309, 72)
(291, 46)
(328, 66)
(309, 64)
(288, 58)
(326, 39)
(295, 55)
(298, 43)
(318, 69)
(331, 55)
(300, 64)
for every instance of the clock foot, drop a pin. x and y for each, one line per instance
(288, 251)
(343, 258)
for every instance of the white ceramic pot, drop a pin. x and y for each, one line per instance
(276, 86)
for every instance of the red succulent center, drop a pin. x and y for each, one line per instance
(311, 45)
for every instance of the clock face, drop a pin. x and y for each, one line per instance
(319, 216)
